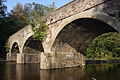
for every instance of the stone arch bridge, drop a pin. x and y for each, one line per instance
(71, 28)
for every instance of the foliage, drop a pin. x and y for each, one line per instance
(34, 14)
(31, 12)
(38, 19)
(2, 9)
(104, 46)
(40, 32)
(7, 46)
(19, 17)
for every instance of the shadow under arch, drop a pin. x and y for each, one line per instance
(75, 36)
(15, 48)
(32, 46)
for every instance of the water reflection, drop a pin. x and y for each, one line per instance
(63, 74)
(12, 71)
(103, 71)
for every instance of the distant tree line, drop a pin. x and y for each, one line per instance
(19, 17)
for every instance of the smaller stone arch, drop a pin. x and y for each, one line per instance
(14, 50)
(31, 51)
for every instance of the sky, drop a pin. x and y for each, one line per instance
(11, 3)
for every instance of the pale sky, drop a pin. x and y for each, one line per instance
(11, 3)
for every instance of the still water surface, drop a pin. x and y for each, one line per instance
(12, 71)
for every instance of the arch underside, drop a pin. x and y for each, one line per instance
(75, 36)
(15, 48)
(32, 46)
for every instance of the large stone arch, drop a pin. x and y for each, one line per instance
(113, 22)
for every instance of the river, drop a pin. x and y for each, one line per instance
(12, 71)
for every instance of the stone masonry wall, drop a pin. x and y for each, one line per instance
(61, 60)
(28, 58)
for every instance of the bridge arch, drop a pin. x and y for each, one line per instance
(13, 45)
(15, 48)
(91, 15)
(32, 46)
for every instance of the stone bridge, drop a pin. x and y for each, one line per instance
(71, 28)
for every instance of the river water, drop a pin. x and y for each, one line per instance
(12, 71)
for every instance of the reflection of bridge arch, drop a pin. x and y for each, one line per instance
(113, 22)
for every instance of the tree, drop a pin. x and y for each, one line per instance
(2, 9)
(38, 19)
(104, 46)
(31, 12)
(39, 11)
(21, 15)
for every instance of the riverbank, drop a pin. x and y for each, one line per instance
(88, 61)
(99, 61)
(3, 60)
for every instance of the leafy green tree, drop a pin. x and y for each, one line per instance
(21, 15)
(39, 11)
(38, 19)
(31, 13)
(104, 46)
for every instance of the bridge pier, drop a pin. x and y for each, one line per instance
(11, 57)
(61, 60)
(28, 58)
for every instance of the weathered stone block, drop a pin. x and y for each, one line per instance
(61, 60)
